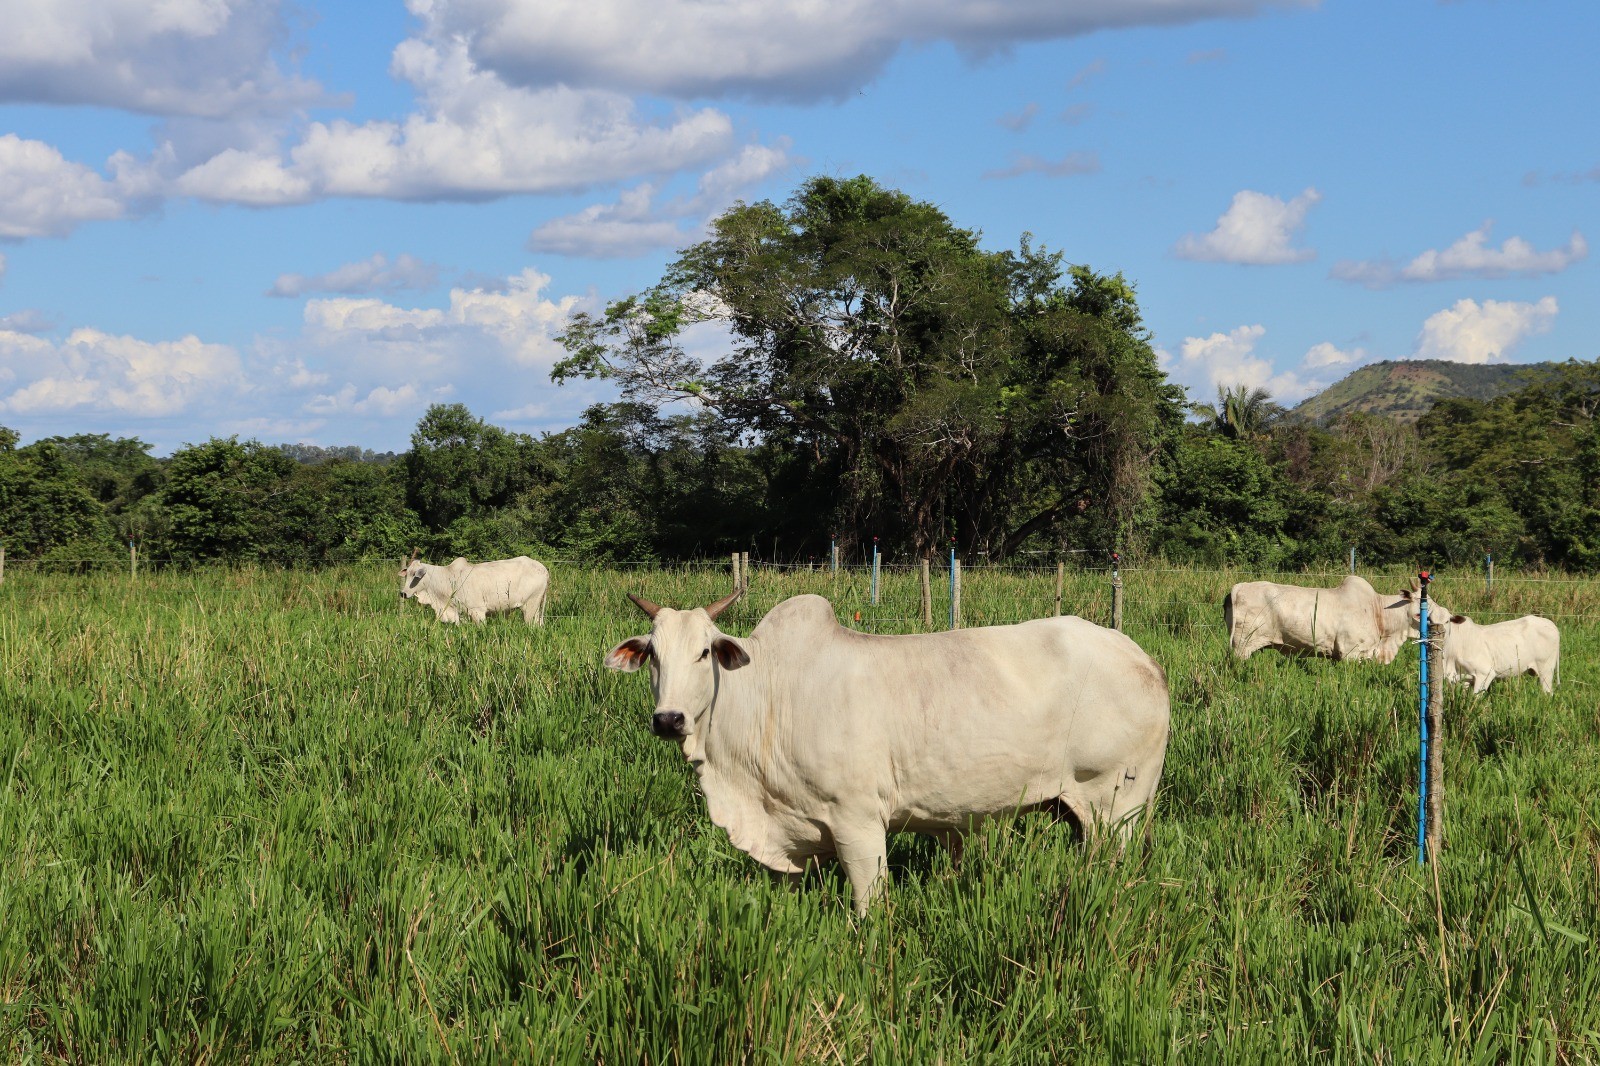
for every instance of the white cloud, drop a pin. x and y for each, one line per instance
(792, 50)
(528, 412)
(1017, 121)
(374, 274)
(1471, 332)
(27, 320)
(290, 430)
(1075, 114)
(629, 227)
(1071, 164)
(1470, 257)
(382, 401)
(173, 57)
(490, 347)
(1230, 359)
(1327, 354)
(1256, 229)
(474, 138)
(517, 326)
(44, 195)
(1086, 74)
(102, 372)
(636, 224)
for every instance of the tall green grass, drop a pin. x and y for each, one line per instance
(282, 817)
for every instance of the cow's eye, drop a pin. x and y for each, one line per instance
(704, 654)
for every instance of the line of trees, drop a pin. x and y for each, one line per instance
(883, 375)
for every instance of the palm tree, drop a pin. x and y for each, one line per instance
(1241, 411)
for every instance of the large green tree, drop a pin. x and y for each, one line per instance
(461, 467)
(935, 387)
(44, 503)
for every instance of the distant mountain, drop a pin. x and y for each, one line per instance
(1407, 388)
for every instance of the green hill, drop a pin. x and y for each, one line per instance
(1405, 389)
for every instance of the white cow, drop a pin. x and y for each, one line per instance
(1350, 621)
(812, 741)
(478, 589)
(1479, 654)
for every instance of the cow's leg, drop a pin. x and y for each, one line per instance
(863, 850)
(478, 614)
(450, 615)
(1481, 683)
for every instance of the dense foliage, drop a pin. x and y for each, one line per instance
(881, 376)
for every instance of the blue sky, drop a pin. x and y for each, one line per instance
(309, 222)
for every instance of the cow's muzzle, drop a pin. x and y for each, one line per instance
(667, 724)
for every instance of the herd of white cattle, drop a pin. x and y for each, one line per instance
(812, 741)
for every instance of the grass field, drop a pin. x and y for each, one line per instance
(281, 817)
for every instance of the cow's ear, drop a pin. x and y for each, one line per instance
(629, 655)
(1458, 618)
(730, 653)
(1405, 594)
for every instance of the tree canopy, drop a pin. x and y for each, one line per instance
(945, 390)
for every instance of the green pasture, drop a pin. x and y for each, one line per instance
(283, 817)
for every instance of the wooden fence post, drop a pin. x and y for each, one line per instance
(1061, 571)
(744, 570)
(737, 585)
(1488, 586)
(1116, 592)
(927, 596)
(2, 566)
(133, 561)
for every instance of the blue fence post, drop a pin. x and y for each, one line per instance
(874, 571)
(1422, 724)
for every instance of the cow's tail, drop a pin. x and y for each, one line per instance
(1227, 615)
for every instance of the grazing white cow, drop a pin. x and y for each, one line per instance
(813, 741)
(478, 590)
(1478, 654)
(1350, 621)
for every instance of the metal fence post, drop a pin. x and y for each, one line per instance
(833, 554)
(1488, 581)
(1352, 558)
(955, 586)
(874, 571)
(1116, 592)
(1422, 723)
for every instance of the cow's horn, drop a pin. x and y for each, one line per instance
(644, 605)
(723, 604)
(415, 551)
